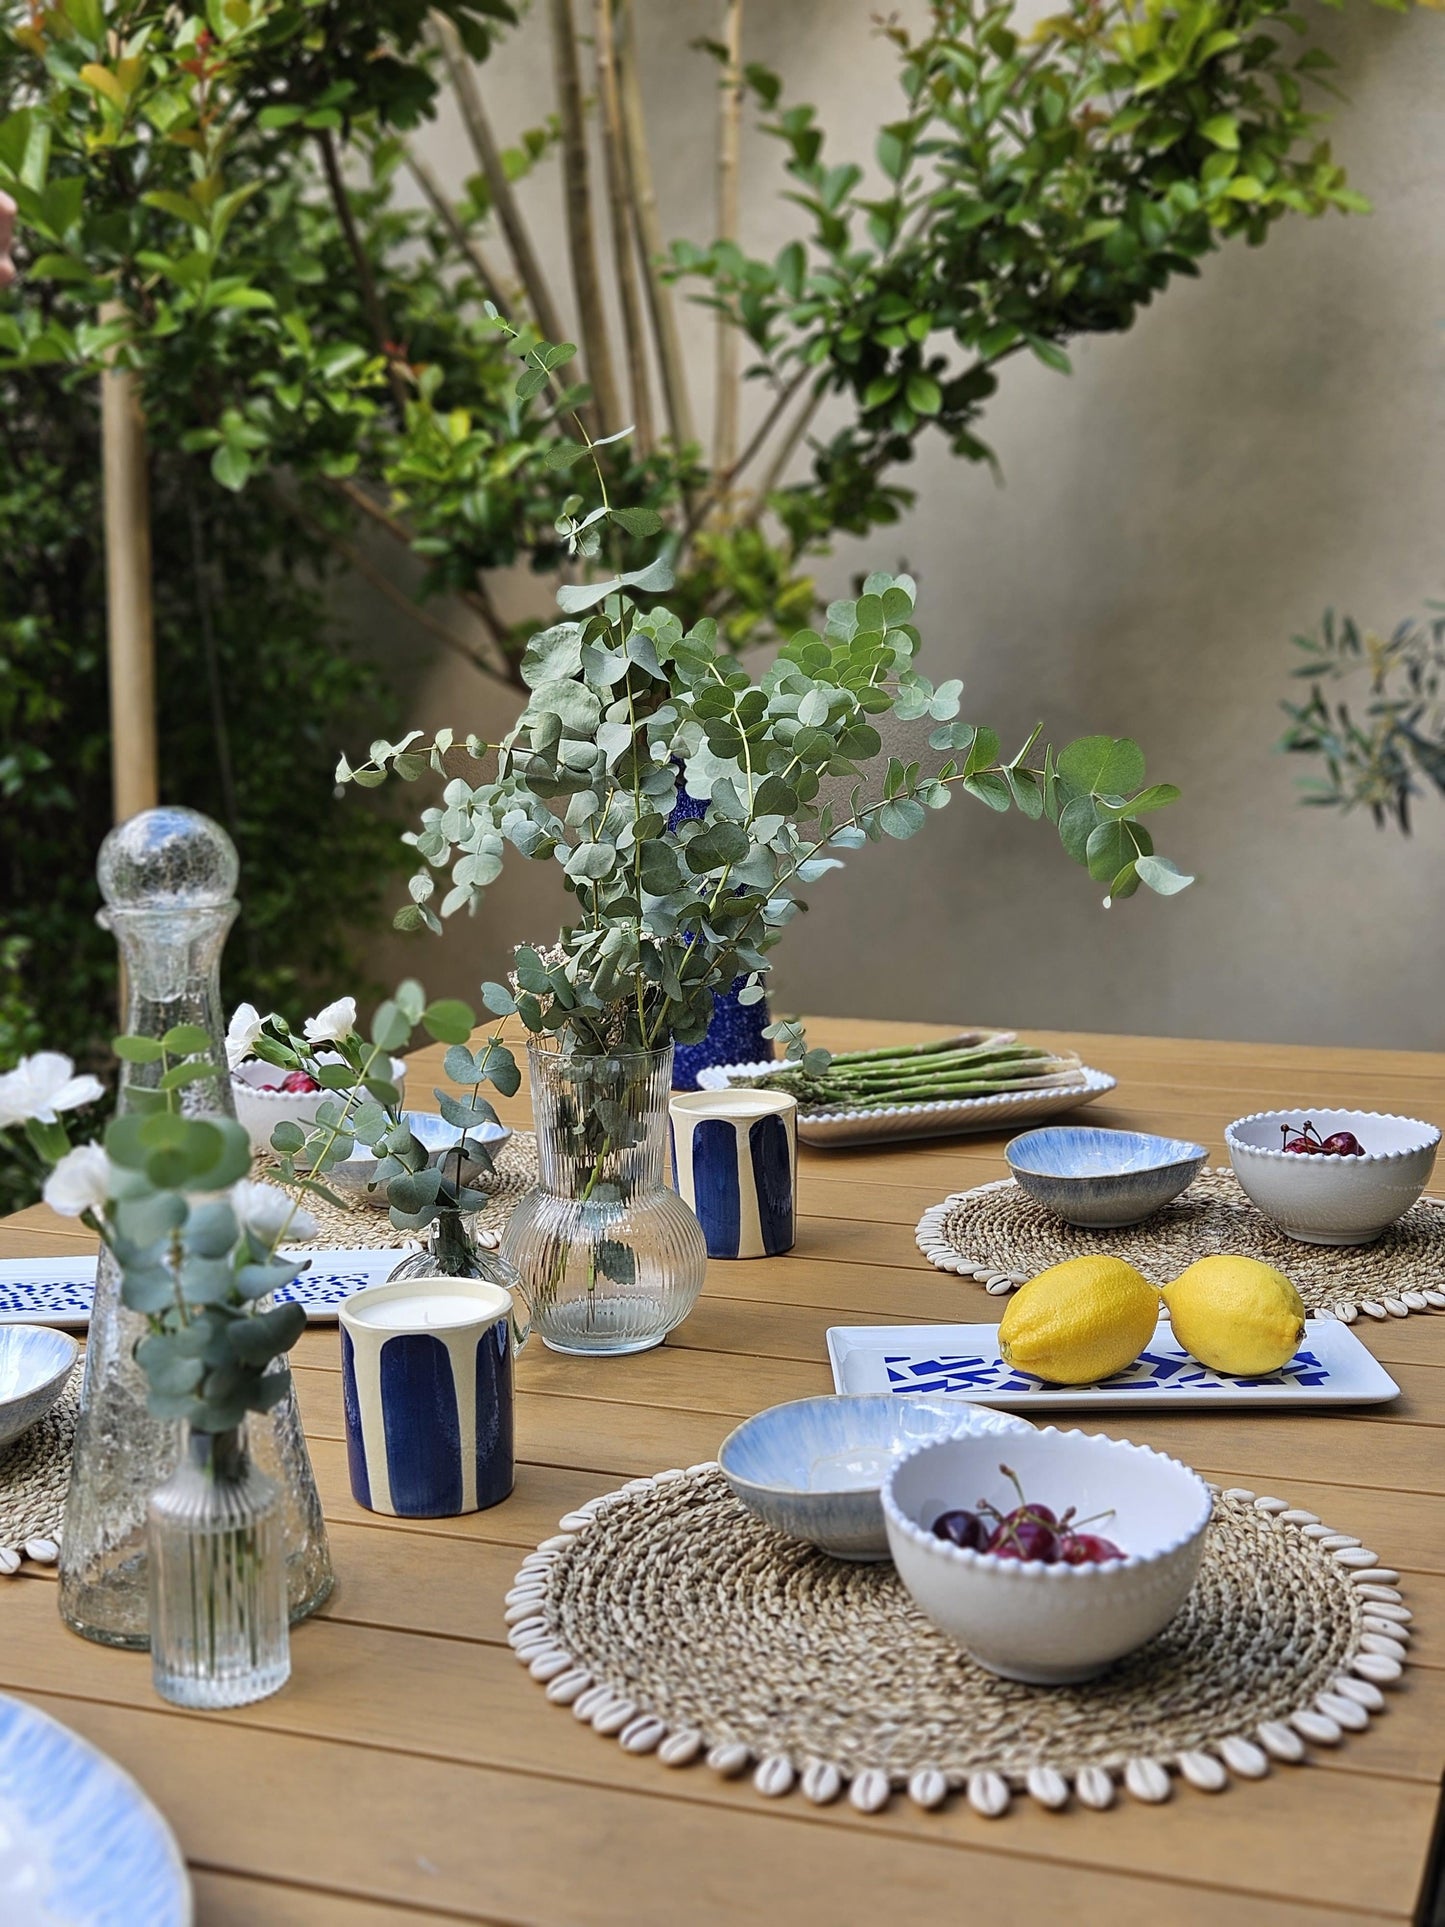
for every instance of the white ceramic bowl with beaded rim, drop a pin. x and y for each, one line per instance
(1333, 1200)
(1049, 1625)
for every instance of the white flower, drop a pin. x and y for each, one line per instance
(264, 1211)
(80, 1182)
(329, 1026)
(41, 1085)
(245, 1027)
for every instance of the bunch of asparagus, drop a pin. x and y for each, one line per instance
(964, 1065)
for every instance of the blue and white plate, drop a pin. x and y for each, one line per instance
(1332, 1367)
(59, 1291)
(80, 1844)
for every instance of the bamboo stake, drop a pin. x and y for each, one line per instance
(130, 625)
(666, 339)
(730, 109)
(463, 77)
(440, 206)
(620, 202)
(581, 245)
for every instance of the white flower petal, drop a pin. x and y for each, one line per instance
(265, 1210)
(330, 1025)
(241, 1034)
(43, 1084)
(80, 1182)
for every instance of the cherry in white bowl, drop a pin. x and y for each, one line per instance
(1324, 1198)
(1049, 1624)
(261, 1104)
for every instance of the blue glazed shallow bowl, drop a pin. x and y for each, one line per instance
(1102, 1179)
(813, 1469)
(34, 1365)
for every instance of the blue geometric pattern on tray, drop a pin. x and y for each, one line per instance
(1162, 1368)
(60, 1291)
(78, 1828)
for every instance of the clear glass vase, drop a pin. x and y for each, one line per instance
(609, 1257)
(168, 877)
(217, 1566)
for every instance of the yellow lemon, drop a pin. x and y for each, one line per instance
(1079, 1321)
(1236, 1315)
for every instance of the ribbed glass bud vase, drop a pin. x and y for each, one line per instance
(609, 1257)
(217, 1564)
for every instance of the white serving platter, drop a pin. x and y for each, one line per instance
(1332, 1367)
(947, 1117)
(59, 1291)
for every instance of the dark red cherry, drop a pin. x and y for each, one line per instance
(299, 1083)
(964, 1529)
(1344, 1144)
(1025, 1540)
(1088, 1549)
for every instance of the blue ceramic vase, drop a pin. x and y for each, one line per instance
(735, 1035)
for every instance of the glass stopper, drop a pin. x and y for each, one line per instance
(167, 858)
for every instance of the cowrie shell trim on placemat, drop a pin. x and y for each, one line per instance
(663, 1618)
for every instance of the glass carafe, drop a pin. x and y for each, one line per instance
(609, 1257)
(168, 877)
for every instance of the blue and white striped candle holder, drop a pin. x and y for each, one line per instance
(735, 1161)
(426, 1380)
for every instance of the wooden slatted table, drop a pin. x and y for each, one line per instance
(412, 1770)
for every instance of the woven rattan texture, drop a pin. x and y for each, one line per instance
(999, 1233)
(697, 1614)
(357, 1227)
(35, 1470)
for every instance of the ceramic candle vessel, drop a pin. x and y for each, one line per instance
(735, 1161)
(426, 1379)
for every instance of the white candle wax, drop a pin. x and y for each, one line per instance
(422, 1311)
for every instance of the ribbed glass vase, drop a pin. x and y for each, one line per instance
(217, 1563)
(609, 1257)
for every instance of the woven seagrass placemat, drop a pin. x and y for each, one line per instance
(34, 1474)
(355, 1227)
(999, 1236)
(668, 1617)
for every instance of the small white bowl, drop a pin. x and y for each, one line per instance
(1049, 1625)
(812, 1468)
(261, 1110)
(34, 1365)
(1330, 1200)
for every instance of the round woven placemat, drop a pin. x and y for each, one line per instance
(360, 1226)
(1001, 1237)
(670, 1618)
(34, 1475)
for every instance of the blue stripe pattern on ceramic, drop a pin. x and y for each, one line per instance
(422, 1427)
(355, 1445)
(96, 1850)
(717, 1197)
(773, 1180)
(494, 1414)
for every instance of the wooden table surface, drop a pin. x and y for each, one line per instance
(412, 1771)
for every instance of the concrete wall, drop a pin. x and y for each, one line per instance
(1265, 442)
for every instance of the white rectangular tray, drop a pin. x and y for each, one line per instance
(945, 1117)
(1332, 1367)
(59, 1291)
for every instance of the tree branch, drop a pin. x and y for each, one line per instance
(370, 299)
(440, 206)
(783, 456)
(730, 109)
(463, 78)
(666, 338)
(722, 482)
(620, 195)
(581, 245)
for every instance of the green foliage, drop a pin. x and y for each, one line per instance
(1377, 761)
(239, 587)
(1034, 188)
(623, 702)
(367, 1108)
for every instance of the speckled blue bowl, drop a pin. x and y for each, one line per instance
(34, 1365)
(1102, 1179)
(814, 1468)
